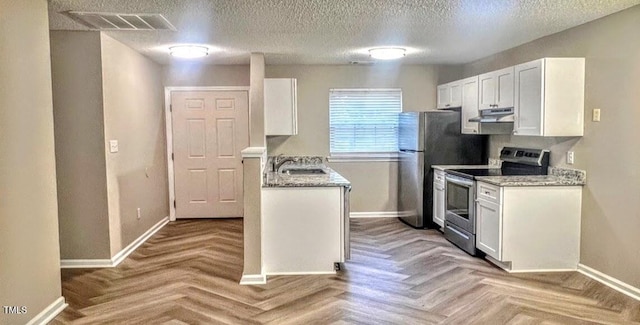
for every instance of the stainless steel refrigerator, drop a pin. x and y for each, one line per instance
(426, 139)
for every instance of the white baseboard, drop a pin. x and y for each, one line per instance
(610, 281)
(49, 313)
(375, 214)
(253, 279)
(542, 271)
(304, 273)
(120, 256)
(85, 264)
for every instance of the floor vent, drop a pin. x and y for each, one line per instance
(113, 21)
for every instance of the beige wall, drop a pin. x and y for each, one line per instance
(29, 249)
(133, 115)
(104, 90)
(79, 134)
(608, 151)
(418, 83)
(182, 74)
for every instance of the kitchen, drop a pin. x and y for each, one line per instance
(603, 243)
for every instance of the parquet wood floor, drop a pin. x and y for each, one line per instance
(188, 273)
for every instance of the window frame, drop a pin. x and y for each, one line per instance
(362, 156)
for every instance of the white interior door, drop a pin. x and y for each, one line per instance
(210, 128)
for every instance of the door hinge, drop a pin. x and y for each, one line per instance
(172, 156)
(170, 108)
(174, 204)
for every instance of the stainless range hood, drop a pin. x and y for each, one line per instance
(495, 121)
(494, 115)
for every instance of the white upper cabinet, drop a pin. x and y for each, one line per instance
(469, 105)
(456, 94)
(444, 95)
(549, 97)
(280, 106)
(449, 95)
(496, 89)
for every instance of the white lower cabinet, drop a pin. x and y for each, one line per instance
(488, 228)
(529, 228)
(438, 198)
(303, 229)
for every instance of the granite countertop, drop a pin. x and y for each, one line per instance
(534, 180)
(331, 178)
(280, 179)
(558, 176)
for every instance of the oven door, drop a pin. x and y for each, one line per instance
(459, 202)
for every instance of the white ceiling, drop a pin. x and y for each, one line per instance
(340, 31)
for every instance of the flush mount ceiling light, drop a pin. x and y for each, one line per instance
(387, 53)
(188, 51)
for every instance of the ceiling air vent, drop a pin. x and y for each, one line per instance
(112, 21)
(361, 62)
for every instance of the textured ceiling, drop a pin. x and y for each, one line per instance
(340, 31)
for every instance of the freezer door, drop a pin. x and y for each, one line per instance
(411, 132)
(410, 189)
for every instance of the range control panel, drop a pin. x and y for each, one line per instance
(536, 157)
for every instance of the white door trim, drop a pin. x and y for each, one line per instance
(169, 135)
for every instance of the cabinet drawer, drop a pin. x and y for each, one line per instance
(488, 192)
(438, 177)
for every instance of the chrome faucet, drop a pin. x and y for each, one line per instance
(278, 161)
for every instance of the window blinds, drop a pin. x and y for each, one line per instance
(364, 120)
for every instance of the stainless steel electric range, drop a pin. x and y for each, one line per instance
(460, 191)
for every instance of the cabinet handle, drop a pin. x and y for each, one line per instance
(447, 105)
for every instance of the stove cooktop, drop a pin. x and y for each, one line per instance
(471, 173)
(515, 162)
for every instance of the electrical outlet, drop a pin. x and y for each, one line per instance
(113, 146)
(596, 115)
(570, 157)
(139, 215)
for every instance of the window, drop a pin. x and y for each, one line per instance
(364, 122)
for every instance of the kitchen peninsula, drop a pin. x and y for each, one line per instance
(305, 216)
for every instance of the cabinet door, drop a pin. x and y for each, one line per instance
(487, 91)
(455, 90)
(489, 228)
(504, 88)
(528, 108)
(280, 106)
(438, 204)
(469, 105)
(444, 96)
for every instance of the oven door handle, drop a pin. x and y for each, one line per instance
(459, 181)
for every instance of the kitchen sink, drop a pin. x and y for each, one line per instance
(304, 171)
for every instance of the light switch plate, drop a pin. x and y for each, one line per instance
(113, 146)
